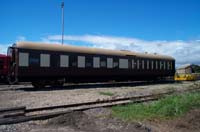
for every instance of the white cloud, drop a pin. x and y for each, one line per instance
(183, 51)
(45, 40)
(3, 48)
(20, 38)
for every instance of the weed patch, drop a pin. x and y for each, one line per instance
(169, 107)
(106, 93)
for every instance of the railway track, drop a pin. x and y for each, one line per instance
(23, 114)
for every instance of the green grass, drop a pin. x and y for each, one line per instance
(106, 93)
(166, 108)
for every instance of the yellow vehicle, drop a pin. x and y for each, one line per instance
(186, 73)
(185, 77)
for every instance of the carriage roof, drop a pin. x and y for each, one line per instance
(87, 50)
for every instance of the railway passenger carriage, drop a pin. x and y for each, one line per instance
(4, 66)
(51, 64)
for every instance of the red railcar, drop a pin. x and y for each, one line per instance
(4, 67)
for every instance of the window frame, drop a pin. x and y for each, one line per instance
(142, 64)
(152, 64)
(138, 64)
(96, 59)
(44, 62)
(121, 63)
(109, 63)
(81, 61)
(24, 59)
(65, 59)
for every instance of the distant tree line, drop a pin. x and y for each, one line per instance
(195, 68)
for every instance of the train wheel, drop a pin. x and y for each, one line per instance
(38, 84)
(58, 83)
(11, 80)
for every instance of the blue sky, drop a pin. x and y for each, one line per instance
(139, 25)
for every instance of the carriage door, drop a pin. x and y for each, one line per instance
(12, 65)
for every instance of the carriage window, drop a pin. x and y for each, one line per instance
(142, 64)
(133, 64)
(161, 65)
(147, 64)
(81, 61)
(138, 64)
(109, 63)
(171, 65)
(96, 62)
(88, 62)
(168, 65)
(164, 65)
(115, 63)
(73, 61)
(34, 60)
(103, 62)
(152, 64)
(23, 59)
(64, 61)
(44, 60)
(156, 65)
(123, 63)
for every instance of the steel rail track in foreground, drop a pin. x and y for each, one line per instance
(21, 114)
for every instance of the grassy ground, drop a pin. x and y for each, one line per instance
(106, 93)
(169, 107)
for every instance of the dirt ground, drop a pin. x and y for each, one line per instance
(98, 120)
(187, 123)
(101, 120)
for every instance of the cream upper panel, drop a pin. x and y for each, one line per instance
(79, 49)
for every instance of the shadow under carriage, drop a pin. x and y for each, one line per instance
(94, 85)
